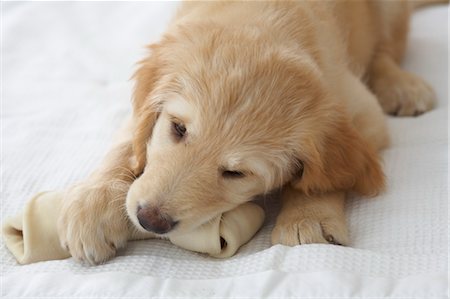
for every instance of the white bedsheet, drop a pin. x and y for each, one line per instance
(65, 90)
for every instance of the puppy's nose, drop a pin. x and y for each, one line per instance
(153, 220)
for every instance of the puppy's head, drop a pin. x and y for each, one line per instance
(223, 116)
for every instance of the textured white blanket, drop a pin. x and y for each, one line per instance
(65, 91)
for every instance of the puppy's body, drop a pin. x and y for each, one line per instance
(337, 35)
(241, 98)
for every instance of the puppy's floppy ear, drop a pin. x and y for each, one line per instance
(146, 77)
(341, 160)
(145, 113)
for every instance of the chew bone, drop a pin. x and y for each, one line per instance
(31, 235)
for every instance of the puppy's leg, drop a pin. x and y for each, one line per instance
(93, 222)
(399, 92)
(314, 219)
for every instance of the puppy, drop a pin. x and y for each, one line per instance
(241, 98)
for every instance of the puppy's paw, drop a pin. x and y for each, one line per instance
(293, 231)
(404, 94)
(91, 225)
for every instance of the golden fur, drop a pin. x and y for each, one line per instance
(290, 94)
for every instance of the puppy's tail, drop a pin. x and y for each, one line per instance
(421, 3)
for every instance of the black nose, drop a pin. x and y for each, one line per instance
(153, 220)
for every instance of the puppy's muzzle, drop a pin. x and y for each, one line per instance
(153, 220)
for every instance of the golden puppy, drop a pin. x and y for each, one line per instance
(241, 98)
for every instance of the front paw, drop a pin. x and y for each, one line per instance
(293, 231)
(92, 225)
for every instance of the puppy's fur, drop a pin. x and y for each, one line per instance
(271, 95)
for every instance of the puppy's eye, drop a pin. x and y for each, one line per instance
(232, 174)
(179, 130)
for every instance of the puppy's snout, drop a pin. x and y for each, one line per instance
(153, 220)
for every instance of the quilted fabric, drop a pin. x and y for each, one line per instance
(65, 91)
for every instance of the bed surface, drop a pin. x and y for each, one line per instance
(66, 69)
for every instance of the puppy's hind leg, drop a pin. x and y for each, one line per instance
(399, 92)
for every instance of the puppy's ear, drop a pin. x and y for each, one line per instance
(146, 77)
(341, 160)
(145, 113)
(144, 122)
